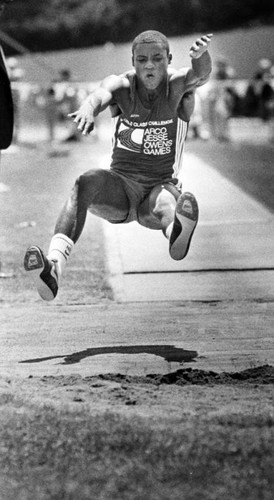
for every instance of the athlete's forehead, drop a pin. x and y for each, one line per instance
(149, 49)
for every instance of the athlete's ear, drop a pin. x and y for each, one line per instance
(169, 58)
(132, 59)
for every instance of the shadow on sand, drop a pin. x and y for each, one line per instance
(169, 352)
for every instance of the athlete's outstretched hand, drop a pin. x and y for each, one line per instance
(84, 117)
(200, 46)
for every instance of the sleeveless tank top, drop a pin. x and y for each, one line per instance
(147, 143)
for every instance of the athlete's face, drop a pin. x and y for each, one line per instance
(151, 62)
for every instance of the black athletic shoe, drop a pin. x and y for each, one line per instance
(185, 221)
(44, 270)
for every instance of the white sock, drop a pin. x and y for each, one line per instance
(60, 249)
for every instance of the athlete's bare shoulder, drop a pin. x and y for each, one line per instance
(113, 83)
(118, 87)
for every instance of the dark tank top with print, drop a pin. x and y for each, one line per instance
(147, 143)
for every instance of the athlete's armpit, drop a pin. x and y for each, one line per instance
(186, 106)
(114, 110)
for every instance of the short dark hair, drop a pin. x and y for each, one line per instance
(151, 36)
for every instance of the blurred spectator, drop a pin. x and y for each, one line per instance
(45, 99)
(67, 101)
(197, 122)
(267, 102)
(221, 100)
(58, 100)
(252, 100)
(259, 98)
(15, 75)
(223, 70)
(252, 96)
(264, 65)
(51, 112)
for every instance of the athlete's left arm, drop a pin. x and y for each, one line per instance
(187, 79)
(184, 82)
(201, 65)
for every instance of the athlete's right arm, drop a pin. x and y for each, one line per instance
(97, 101)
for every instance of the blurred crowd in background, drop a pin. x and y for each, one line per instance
(226, 97)
(222, 98)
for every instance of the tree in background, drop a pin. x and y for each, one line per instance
(63, 24)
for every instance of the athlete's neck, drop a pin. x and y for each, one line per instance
(148, 96)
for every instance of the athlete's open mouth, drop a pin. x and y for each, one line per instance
(150, 80)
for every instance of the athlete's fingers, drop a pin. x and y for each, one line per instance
(88, 128)
(75, 115)
(196, 48)
(77, 119)
(205, 38)
(200, 43)
(203, 41)
(199, 46)
(209, 36)
(82, 124)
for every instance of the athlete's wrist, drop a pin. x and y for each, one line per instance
(90, 102)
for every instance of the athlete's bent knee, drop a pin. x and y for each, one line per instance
(90, 184)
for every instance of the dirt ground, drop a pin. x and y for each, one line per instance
(184, 390)
(184, 435)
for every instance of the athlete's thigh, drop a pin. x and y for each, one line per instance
(104, 195)
(158, 206)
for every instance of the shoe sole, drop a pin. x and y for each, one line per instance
(34, 261)
(185, 222)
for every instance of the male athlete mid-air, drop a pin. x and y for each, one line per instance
(151, 106)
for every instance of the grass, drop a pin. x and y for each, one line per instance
(59, 454)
